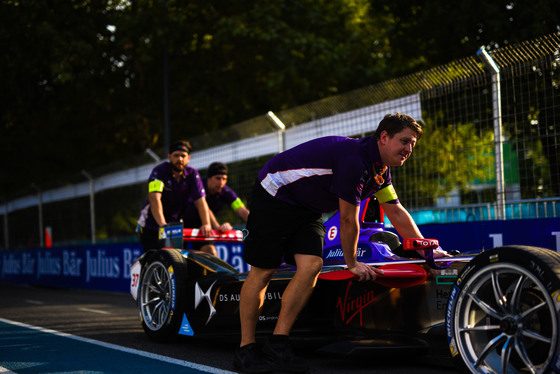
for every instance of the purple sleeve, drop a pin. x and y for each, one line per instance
(229, 195)
(198, 188)
(155, 174)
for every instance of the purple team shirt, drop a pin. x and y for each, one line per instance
(315, 174)
(215, 203)
(175, 194)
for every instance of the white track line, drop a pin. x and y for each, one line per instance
(94, 311)
(192, 365)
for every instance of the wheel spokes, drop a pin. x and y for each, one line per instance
(515, 303)
(154, 299)
(489, 348)
(506, 322)
(486, 308)
(522, 352)
(501, 299)
(506, 354)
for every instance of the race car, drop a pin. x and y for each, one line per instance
(494, 311)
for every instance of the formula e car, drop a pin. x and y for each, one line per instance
(493, 312)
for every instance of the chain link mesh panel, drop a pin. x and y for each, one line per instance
(450, 176)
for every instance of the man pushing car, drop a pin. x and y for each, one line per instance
(293, 190)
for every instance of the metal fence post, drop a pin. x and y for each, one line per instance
(91, 205)
(279, 125)
(6, 228)
(40, 212)
(498, 136)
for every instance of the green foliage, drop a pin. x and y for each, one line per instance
(452, 156)
(83, 80)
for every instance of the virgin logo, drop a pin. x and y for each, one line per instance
(333, 231)
(353, 306)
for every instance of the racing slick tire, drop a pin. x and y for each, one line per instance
(160, 296)
(503, 312)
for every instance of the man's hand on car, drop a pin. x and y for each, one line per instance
(365, 272)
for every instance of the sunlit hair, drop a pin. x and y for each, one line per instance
(395, 123)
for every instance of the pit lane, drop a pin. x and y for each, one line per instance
(106, 337)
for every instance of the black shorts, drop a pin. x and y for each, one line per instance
(149, 239)
(277, 230)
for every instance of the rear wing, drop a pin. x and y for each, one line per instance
(173, 235)
(195, 235)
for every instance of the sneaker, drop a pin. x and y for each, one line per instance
(282, 355)
(249, 359)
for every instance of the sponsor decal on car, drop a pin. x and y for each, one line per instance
(186, 328)
(450, 307)
(135, 279)
(556, 299)
(352, 306)
(556, 364)
(235, 297)
(362, 252)
(449, 319)
(200, 295)
(173, 291)
(332, 232)
(169, 232)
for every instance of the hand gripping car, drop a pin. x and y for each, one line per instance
(495, 312)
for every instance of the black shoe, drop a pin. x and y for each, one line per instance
(249, 359)
(282, 355)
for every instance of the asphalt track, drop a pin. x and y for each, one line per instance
(52, 330)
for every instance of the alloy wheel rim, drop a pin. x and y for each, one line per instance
(506, 321)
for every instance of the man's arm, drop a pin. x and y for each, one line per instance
(401, 220)
(216, 225)
(203, 211)
(239, 208)
(349, 232)
(243, 213)
(156, 207)
(404, 224)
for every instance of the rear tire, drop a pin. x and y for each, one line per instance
(161, 295)
(504, 311)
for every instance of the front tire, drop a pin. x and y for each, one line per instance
(161, 300)
(504, 311)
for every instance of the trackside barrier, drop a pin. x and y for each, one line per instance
(107, 267)
(100, 267)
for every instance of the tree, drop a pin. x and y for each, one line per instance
(455, 156)
(83, 84)
(424, 34)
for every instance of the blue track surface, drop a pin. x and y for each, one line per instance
(28, 349)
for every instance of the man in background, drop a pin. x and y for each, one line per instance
(218, 195)
(171, 185)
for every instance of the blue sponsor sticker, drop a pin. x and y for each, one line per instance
(173, 231)
(173, 289)
(449, 314)
(186, 328)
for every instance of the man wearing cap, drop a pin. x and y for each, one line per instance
(218, 195)
(170, 186)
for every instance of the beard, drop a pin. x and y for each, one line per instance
(178, 167)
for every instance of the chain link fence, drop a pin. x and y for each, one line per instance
(460, 170)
